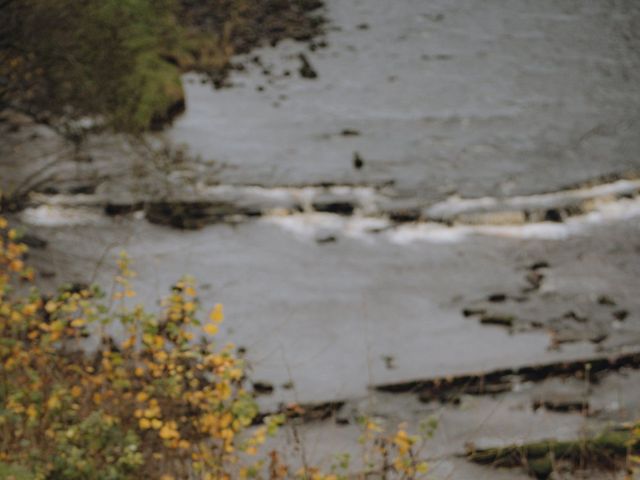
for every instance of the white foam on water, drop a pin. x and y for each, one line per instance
(605, 212)
(56, 216)
(314, 225)
(456, 205)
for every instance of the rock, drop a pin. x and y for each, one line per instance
(620, 315)
(333, 205)
(262, 388)
(306, 69)
(349, 132)
(358, 163)
(553, 215)
(501, 319)
(313, 412)
(497, 297)
(342, 421)
(326, 239)
(469, 312)
(571, 315)
(115, 209)
(608, 449)
(489, 388)
(606, 300)
(404, 215)
(539, 265)
(33, 241)
(187, 215)
(561, 402)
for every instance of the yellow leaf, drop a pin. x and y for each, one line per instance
(216, 314)
(211, 329)
(53, 403)
(32, 411)
(189, 307)
(78, 322)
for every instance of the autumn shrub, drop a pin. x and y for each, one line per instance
(154, 404)
(156, 401)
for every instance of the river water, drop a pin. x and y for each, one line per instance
(465, 110)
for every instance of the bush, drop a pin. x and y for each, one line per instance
(159, 404)
(90, 57)
(152, 405)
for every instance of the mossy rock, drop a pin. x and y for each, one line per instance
(541, 468)
(605, 450)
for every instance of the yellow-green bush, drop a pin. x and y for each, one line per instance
(154, 404)
(159, 404)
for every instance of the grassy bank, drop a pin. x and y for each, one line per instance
(121, 60)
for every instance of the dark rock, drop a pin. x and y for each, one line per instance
(313, 412)
(326, 239)
(539, 265)
(404, 215)
(342, 421)
(533, 373)
(33, 241)
(504, 320)
(553, 215)
(349, 132)
(82, 190)
(113, 209)
(489, 388)
(306, 70)
(606, 300)
(334, 206)
(621, 315)
(497, 297)
(561, 402)
(571, 315)
(194, 214)
(262, 388)
(358, 162)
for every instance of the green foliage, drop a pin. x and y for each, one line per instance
(120, 60)
(90, 57)
(17, 472)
